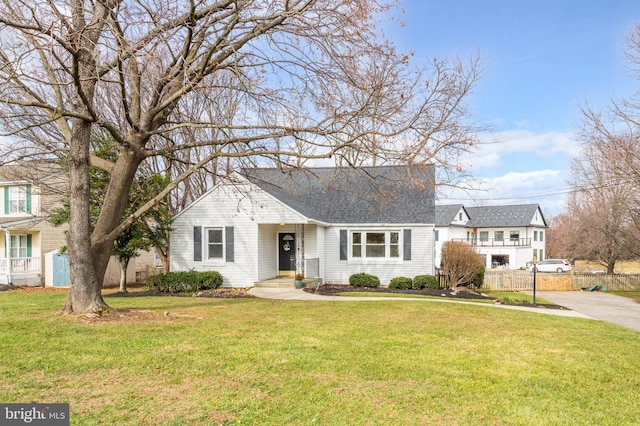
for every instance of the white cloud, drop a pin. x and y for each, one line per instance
(545, 187)
(492, 153)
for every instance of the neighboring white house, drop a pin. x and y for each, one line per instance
(327, 223)
(505, 236)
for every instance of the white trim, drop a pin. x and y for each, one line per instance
(205, 249)
(363, 259)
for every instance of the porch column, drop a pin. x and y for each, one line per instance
(300, 250)
(7, 248)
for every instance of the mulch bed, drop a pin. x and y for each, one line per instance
(225, 293)
(461, 293)
(335, 290)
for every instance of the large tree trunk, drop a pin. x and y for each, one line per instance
(85, 292)
(113, 208)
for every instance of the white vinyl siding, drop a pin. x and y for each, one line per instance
(338, 271)
(232, 205)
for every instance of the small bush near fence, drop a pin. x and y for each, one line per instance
(364, 280)
(401, 283)
(425, 281)
(184, 282)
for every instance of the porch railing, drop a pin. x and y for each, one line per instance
(492, 242)
(312, 267)
(21, 265)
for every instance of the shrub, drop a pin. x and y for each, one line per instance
(425, 281)
(401, 283)
(508, 300)
(364, 280)
(184, 282)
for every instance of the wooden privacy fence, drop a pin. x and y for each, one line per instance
(619, 282)
(507, 280)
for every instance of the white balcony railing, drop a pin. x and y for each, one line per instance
(20, 265)
(491, 242)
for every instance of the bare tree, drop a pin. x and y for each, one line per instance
(600, 228)
(284, 82)
(603, 210)
(460, 263)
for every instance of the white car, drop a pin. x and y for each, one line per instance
(553, 265)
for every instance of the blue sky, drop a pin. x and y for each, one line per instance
(542, 61)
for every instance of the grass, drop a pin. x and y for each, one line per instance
(273, 362)
(516, 297)
(635, 295)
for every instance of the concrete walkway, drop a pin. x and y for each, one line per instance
(606, 307)
(296, 294)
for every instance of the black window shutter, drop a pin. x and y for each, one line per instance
(343, 244)
(197, 243)
(407, 244)
(229, 243)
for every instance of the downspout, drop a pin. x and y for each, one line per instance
(7, 247)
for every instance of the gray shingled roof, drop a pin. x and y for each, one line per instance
(386, 194)
(445, 214)
(501, 216)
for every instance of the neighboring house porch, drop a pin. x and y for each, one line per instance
(21, 263)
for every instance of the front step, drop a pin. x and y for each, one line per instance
(283, 282)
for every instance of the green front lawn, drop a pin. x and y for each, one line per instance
(184, 361)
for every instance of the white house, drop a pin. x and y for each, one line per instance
(324, 223)
(505, 236)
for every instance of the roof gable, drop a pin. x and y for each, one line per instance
(447, 215)
(386, 194)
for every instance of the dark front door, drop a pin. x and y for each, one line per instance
(287, 251)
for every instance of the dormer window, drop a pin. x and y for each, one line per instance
(460, 217)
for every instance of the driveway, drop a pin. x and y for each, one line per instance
(606, 307)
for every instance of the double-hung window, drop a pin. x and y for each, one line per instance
(498, 235)
(484, 236)
(215, 243)
(375, 244)
(514, 235)
(17, 199)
